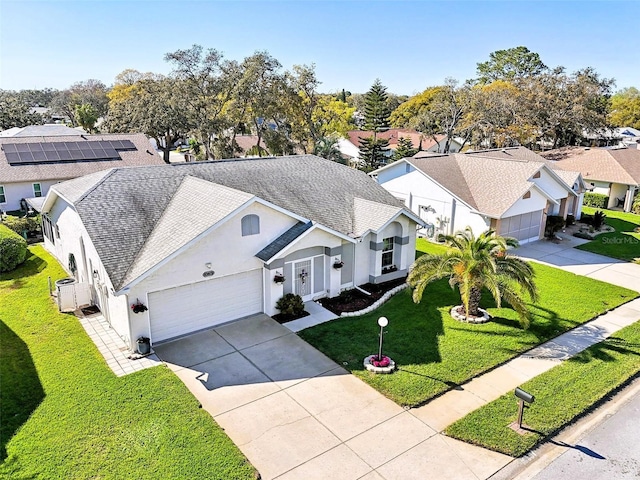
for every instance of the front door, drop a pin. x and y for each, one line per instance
(303, 279)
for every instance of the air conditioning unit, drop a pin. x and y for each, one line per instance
(72, 295)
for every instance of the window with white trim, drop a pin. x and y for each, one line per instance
(387, 252)
(3, 198)
(250, 225)
(37, 190)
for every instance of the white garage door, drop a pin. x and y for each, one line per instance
(185, 309)
(525, 228)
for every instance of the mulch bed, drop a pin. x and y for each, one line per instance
(354, 300)
(283, 318)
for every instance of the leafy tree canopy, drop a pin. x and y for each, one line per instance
(625, 108)
(510, 64)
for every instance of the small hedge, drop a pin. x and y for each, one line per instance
(22, 224)
(13, 249)
(595, 200)
(290, 304)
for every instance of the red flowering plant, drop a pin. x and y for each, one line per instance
(383, 362)
(138, 307)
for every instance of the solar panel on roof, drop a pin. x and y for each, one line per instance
(52, 152)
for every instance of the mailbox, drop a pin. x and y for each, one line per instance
(522, 395)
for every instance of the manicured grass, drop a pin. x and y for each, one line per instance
(66, 415)
(624, 243)
(561, 394)
(435, 352)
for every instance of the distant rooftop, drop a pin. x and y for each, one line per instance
(48, 130)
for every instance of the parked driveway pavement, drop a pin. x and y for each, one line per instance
(562, 254)
(296, 414)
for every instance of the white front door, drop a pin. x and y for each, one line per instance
(303, 279)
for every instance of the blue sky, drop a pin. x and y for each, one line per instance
(409, 45)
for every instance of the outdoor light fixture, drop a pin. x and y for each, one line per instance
(383, 322)
(208, 265)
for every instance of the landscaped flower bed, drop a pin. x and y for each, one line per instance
(354, 300)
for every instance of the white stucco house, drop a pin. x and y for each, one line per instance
(510, 190)
(34, 158)
(202, 243)
(614, 172)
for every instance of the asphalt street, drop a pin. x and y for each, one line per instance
(611, 451)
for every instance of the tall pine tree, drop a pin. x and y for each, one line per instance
(405, 149)
(373, 150)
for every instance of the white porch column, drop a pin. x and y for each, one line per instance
(628, 201)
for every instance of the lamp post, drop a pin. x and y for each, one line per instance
(383, 322)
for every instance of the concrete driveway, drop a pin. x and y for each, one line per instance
(296, 414)
(562, 254)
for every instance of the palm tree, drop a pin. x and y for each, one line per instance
(473, 264)
(327, 147)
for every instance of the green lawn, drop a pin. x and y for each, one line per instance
(624, 243)
(435, 352)
(561, 394)
(66, 415)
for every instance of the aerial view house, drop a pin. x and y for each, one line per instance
(350, 146)
(202, 243)
(614, 172)
(509, 190)
(35, 158)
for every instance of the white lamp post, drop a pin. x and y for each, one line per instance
(383, 322)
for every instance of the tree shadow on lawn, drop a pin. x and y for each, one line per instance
(31, 266)
(601, 351)
(21, 391)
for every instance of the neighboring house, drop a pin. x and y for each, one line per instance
(350, 147)
(614, 172)
(248, 142)
(30, 165)
(48, 130)
(202, 243)
(507, 190)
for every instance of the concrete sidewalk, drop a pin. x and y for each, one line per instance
(455, 404)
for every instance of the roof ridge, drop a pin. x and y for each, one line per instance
(97, 184)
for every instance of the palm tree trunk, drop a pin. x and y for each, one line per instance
(474, 302)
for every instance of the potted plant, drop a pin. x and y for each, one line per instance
(338, 264)
(139, 307)
(279, 278)
(144, 345)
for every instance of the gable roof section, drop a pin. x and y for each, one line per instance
(143, 155)
(371, 216)
(479, 181)
(181, 222)
(607, 165)
(122, 209)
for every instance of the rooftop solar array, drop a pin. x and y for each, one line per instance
(57, 152)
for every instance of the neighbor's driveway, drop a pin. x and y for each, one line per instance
(564, 256)
(296, 414)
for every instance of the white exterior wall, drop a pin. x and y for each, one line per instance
(553, 187)
(603, 188)
(14, 192)
(71, 231)
(534, 203)
(224, 247)
(418, 190)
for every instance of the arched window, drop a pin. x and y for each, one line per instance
(250, 225)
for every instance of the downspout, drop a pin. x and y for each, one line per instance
(453, 215)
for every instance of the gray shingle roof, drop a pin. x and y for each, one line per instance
(143, 155)
(283, 240)
(122, 210)
(50, 130)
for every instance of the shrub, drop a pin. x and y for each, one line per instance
(13, 249)
(596, 200)
(22, 224)
(290, 304)
(598, 219)
(635, 208)
(554, 223)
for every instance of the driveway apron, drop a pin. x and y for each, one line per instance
(296, 414)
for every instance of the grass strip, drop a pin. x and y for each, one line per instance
(66, 415)
(562, 394)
